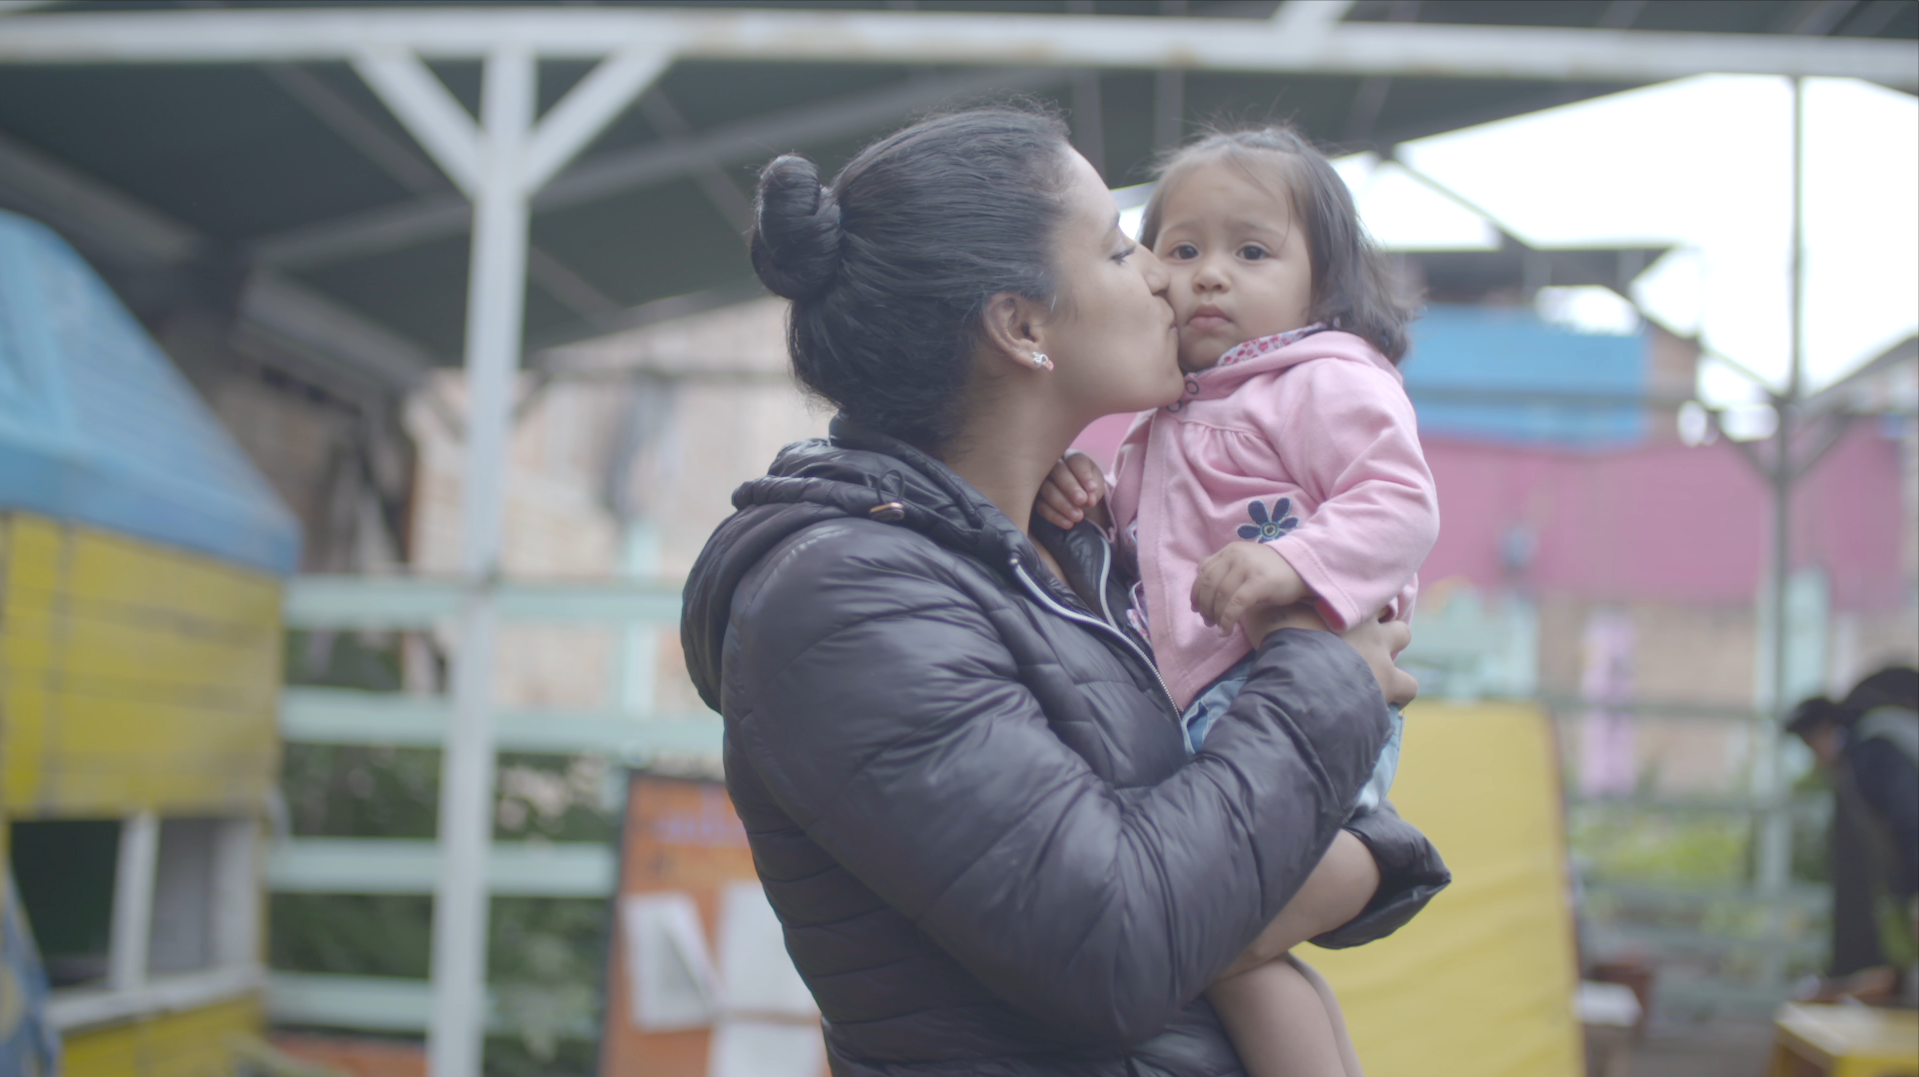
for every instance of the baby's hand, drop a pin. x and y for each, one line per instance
(1243, 577)
(1074, 490)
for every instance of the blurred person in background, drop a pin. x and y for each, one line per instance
(1868, 746)
(966, 787)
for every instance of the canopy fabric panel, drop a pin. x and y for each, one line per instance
(98, 427)
(1481, 983)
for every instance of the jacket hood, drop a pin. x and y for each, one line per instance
(1265, 356)
(852, 472)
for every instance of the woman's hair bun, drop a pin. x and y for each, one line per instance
(796, 229)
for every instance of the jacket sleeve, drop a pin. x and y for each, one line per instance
(868, 687)
(1410, 875)
(1350, 439)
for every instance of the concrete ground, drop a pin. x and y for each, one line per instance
(1720, 1048)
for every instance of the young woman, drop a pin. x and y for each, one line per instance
(964, 782)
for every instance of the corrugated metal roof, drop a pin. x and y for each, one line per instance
(1535, 383)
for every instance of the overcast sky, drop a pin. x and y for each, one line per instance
(1703, 164)
(1706, 163)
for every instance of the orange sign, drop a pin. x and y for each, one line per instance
(698, 983)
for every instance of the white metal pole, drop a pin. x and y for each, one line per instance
(1774, 859)
(132, 925)
(495, 309)
(1304, 40)
(639, 657)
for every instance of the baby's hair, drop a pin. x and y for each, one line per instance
(1353, 284)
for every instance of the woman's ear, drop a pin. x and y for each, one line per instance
(1011, 330)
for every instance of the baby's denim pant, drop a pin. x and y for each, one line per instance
(1218, 696)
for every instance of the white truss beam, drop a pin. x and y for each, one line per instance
(498, 163)
(428, 109)
(721, 192)
(1310, 16)
(111, 224)
(495, 312)
(434, 217)
(1424, 50)
(586, 110)
(393, 155)
(407, 167)
(403, 866)
(89, 211)
(306, 318)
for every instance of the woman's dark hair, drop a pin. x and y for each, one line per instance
(889, 268)
(1353, 285)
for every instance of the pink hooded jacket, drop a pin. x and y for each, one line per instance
(1310, 447)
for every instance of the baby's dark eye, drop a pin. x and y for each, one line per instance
(1183, 251)
(1252, 252)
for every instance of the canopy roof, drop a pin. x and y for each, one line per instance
(234, 159)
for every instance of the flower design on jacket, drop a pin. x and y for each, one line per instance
(1265, 528)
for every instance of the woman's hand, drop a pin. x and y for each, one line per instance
(1073, 491)
(1378, 642)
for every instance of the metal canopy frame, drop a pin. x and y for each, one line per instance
(501, 161)
(1306, 36)
(1312, 39)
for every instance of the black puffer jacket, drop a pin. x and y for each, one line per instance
(965, 789)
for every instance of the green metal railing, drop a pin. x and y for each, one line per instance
(1675, 920)
(338, 716)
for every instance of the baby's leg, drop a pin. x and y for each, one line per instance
(1281, 1017)
(1279, 1023)
(1338, 1019)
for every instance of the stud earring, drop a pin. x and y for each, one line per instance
(1040, 362)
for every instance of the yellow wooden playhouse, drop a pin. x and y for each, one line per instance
(141, 559)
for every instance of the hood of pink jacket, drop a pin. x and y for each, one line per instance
(1265, 356)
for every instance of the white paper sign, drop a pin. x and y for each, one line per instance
(759, 976)
(758, 1049)
(671, 979)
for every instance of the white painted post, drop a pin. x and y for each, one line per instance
(1773, 856)
(499, 164)
(639, 643)
(132, 926)
(235, 941)
(495, 309)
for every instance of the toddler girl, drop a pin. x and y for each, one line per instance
(1289, 472)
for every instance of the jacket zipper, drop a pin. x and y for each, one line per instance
(1033, 588)
(1105, 571)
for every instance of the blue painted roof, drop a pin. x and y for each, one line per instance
(1511, 351)
(98, 428)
